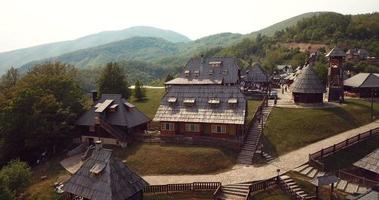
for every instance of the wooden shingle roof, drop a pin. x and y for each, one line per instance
(208, 71)
(126, 114)
(369, 162)
(336, 52)
(363, 80)
(308, 82)
(104, 177)
(201, 111)
(256, 74)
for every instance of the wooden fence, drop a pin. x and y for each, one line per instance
(356, 179)
(196, 186)
(258, 113)
(315, 159)
(262, 185)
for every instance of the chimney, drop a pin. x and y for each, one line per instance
(98, 145)
(94, 95)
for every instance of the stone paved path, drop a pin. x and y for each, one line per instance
(285, 163)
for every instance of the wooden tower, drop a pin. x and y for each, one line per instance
(335, 91)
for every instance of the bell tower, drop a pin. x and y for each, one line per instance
(335, 91)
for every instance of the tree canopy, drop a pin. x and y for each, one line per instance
(113, 80)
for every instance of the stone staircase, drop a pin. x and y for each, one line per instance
(234, 192)
(341, 185)
(291, 187)
(250, 146)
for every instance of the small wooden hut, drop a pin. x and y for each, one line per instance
(369, 165)
(104, 177)
(307, 87)
(256, 74)
(363, 85)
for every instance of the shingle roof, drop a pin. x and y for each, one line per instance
(369, 162)
(256, 74)
(124, 116)
(115, 181)
(363, 80)
(227, 72)
(336, 52)
(308, 82)
(201, 111)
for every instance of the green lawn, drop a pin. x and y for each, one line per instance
(271, 194)
(252, 106)
(43, 189)
(147, 159)
(149, 105)
(346, 157)
(179, 196)
(289, 128)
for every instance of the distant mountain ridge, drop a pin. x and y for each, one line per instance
(19, 57)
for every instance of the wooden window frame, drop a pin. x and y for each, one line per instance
(192, 128)
(167, 126)
(218, 129)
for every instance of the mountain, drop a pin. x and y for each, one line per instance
(270, 30)
(19, 57)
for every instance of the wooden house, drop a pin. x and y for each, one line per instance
(112, 120)
(104, 177)
(363, 85)
(307, 87)
(255, 75)
(202, 110)
(369, 165)
(208, 71)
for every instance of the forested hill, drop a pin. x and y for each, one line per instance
(19, 57)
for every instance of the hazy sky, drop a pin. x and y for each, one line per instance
(26, 23)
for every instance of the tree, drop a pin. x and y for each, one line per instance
(40, 113)
(113, 81)
(139, 91)
(18, 174)
(169, 77)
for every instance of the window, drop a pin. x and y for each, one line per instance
(187, 73)
(232, 102)
(189, 102)
(214, 102)
(218, 129)
(172, 101)
(168, 127)
(192, 127)
(215, 63)
(196, 72)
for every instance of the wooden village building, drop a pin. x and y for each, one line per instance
(307, 87)
(335, 90)
(104, 177)
(112, 120)
(203, 110)
(255, 75)
(204, 101)
(362, 85)
(369, 166)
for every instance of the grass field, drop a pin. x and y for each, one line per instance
(252, 107)
(346, 157)
(271, 194)
(288, 128)
(179, 196)
(148, 159)
(43, 189)
(149, 105)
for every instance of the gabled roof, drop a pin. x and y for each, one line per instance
(201, 111)
(256, 74)
(369, 162)
(126, 114)
(104, 177)
(336, 52)
(308, 82)
(372, 194)
(363, 80)
(208, 71)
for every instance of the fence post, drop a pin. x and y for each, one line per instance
(322, 153)
(334, 148)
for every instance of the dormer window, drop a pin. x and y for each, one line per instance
(196, 72)
(172, 101)
(187, 73)
(189, 102)
(215, 63)
(232, 102)
(113, 108)
(214, 102)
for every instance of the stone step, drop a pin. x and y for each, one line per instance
(362, 189)
(351, 188)
(301, 168)
(312, 173)
(306, 170)
(341, 185)
(236, 193)
(229, 197)
(236, 190)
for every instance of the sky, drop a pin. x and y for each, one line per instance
(25, 23)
